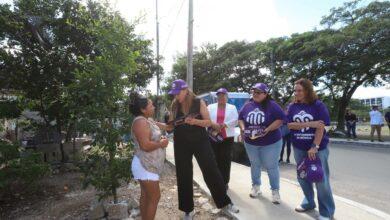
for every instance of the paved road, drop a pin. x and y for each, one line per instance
(361, 174)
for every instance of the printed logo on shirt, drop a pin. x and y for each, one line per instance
(302, 116)
(255, 117)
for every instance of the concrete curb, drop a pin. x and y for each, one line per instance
(360, 143)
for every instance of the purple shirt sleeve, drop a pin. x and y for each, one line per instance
(323, 113)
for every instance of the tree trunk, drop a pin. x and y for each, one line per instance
(343, 102)
(60, 140)
(342, 105)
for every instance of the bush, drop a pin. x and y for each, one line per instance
(19, 167)
(104, 172)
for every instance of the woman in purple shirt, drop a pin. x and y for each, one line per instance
(259, 121)
(307, 118)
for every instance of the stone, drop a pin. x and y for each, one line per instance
(202, 200)
(96, 210)
(197, 194)
(215, 211)
(207, 207)
(117, 211)
(135, 213)
(132, 203)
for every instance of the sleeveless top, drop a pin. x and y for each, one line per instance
(152, 161)
(190, 134)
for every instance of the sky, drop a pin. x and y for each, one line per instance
(221, 21)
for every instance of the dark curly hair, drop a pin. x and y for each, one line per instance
(136, 103)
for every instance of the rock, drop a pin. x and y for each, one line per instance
(202, 200)
(117, 211)
(135, 213)
(207, 207)
(215, 211)
(132, 203)
(197, 194)
(96, 210)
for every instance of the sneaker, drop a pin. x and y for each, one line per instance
(188, 215)
(372, 140)
(288, 161)
(323, 218)
(275, 197)
(301, 209)
(380, 140)
(255, 192)
(231, 208)
(281, 161)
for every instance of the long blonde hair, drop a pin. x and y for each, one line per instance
(185, 106)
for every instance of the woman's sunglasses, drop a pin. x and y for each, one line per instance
(258, 92)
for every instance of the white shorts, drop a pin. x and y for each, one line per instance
(140, 173)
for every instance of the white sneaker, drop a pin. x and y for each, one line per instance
(275, 197)
(323, 218)
(231, 208)
(255, 191)
(188, 216)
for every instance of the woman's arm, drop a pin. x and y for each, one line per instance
(164, 126)
(142, 132)
(300, 125)
(233, 118)
(274, 125)
(205, 122)
(318, 135)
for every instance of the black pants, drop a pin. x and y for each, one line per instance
(223, 156)
(351, 128)
(184, 150)
(287, 143)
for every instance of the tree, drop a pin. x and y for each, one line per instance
(355, 54)
(44, 45)
(73, 62)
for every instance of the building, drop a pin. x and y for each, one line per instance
(382, 102)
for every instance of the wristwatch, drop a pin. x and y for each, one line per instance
(315, 145)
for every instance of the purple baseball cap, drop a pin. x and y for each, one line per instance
(310, 170)
(261, 86)
(222, 90)
(177, 86)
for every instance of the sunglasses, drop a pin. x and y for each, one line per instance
(258, 92)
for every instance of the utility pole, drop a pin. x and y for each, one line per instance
(190, 77)
(158, 51)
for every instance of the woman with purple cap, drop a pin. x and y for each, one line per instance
(259, 121)
(224, 118)
(307, 118)
(191, 139)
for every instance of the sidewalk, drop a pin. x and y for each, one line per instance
(291, 195)
(365, 143)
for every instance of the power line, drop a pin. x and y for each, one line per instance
(173, 27)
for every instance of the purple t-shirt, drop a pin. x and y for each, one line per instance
(300, 112)
(256, 119)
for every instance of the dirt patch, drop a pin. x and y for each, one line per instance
(61, 196)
